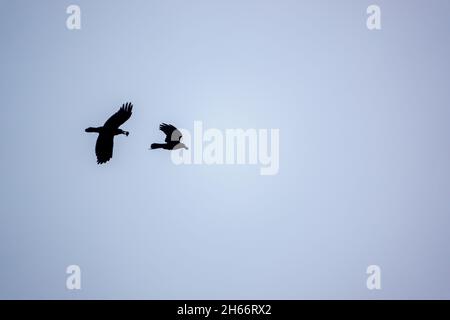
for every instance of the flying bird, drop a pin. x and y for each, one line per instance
(105, 140)
(173, 138)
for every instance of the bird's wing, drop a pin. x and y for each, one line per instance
(119, 118)
(172, 133)
(104, 147)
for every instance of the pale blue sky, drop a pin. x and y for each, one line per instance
(363, 118)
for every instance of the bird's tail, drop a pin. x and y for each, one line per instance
(156, 146)
(90, 129)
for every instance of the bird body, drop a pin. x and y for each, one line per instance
(105, 141)
(107, 131)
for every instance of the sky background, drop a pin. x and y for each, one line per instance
(364, 150)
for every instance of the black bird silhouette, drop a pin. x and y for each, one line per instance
(173, 138)
(105, 140)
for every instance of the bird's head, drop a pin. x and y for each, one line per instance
(180, 146)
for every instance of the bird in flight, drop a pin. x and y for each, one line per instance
(105, 140)
(173, 138)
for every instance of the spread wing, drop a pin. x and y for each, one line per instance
(104, 147)
(172, 133)
(119, 118)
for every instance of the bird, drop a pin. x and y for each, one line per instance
(173, 138)
(105, 140)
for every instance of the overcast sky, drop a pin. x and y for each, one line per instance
(364, 149)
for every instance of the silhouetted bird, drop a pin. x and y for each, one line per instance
(105, 140)
(173, 138)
